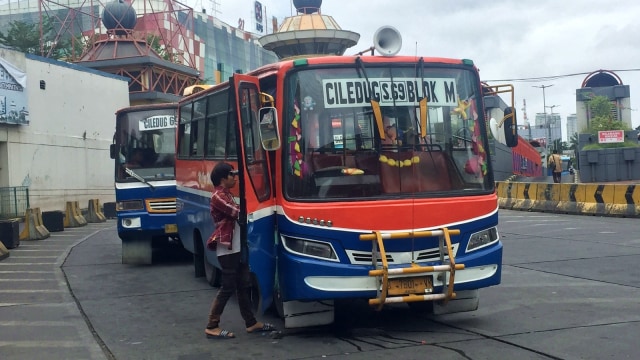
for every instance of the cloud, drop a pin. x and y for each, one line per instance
(506, 39)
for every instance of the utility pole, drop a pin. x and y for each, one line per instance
(551, 107)
(544, 104)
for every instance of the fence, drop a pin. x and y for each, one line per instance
(14, 201)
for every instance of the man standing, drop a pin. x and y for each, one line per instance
(225, 240)
(555, 164)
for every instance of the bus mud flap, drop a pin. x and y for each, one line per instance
(310, 313)
(467, 300)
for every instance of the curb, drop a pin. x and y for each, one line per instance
(618, 200)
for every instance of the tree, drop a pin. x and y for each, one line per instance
(25, 37)
(573, 141)
(155, 43)
(601, 118)
(22, 37)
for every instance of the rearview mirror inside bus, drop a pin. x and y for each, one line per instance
(269, 134)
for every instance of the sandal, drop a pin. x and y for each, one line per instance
(224, 334)
(266, 327)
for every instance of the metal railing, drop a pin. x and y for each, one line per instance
(14, 201)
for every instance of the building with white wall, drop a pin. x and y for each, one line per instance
(61, 151)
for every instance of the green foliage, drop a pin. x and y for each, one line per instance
(22, 37)
(25, 37)
(155, 43)
(601, 119)
(598, 146)
(573, 141)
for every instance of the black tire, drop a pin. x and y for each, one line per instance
(254, 295)
(278, 303)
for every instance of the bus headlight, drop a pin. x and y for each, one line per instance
(131, 223)
(129, 205)
(316, 249)
(482, 239)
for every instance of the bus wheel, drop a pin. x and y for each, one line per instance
(278, 304)
(254, 294)
(211, 272)
(198, 257)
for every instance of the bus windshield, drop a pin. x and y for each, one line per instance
(335, 146)
(146, 143)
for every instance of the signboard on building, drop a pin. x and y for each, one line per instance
(610, 136)
(13, 94)
(258, 17)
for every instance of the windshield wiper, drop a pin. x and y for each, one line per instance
(375, 103)
(138, 177)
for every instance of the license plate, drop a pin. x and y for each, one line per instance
(410, 285)
(170, 228)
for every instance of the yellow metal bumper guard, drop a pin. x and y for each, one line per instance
(394, 290)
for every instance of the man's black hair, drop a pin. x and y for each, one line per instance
(219, 172)
(555, 151)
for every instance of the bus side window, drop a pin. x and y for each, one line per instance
(198, 128)
(184, 130)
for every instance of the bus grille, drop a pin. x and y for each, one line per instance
(426, 255)
(167, 205)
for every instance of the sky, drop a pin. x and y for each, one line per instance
(556, 42)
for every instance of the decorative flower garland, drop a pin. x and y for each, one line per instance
(399, 163)
(297, 162)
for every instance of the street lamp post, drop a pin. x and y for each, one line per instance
(544, 104)
(549, 124)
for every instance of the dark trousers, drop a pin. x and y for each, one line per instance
(235, 279)
(556, 177)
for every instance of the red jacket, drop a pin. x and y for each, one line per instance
(224, 212)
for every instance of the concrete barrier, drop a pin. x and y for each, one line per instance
(73, 217)
(94, 214)
(547, 198)
(523, 196)
(621, 200)
(34, 229)
(4, 253)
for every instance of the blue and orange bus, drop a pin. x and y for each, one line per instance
(145, 184)
(360, 177)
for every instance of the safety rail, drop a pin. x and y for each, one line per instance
(411, 289)
(14, 201)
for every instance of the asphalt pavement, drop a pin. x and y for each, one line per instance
(39, 316)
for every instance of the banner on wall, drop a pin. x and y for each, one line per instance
(13, 94)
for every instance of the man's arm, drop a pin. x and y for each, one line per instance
(223, 203)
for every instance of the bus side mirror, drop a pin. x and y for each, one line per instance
(112, 151)
(510, 127)
(269, 134)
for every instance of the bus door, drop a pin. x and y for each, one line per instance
(257, 202)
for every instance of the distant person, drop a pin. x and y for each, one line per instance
(555, 164)
(236, 277)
